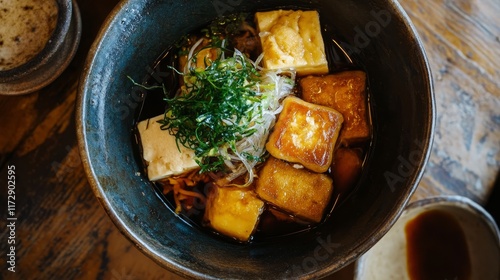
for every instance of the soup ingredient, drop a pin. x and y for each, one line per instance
(345, 92)
(183, 188)
(292, 39)
(239, 31)
(224, 113)
(305, 133)
(295, 190)
(436, 247)
(346, 169)
(233, 211)
(238, 120)
(25, 29)
(275, 222)
(161, 153)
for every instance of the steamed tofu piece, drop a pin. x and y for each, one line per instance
(233, 211)
(292, 39)
(346, 93)
(305, 133)
(295, 190)
(161, 153)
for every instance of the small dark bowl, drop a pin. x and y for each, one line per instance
(52, 60)
(383, 42)
(389, 258)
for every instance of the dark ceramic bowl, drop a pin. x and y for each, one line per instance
(381, 40)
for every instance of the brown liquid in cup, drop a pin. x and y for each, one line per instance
(436, 247)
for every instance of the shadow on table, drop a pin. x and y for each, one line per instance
(493, 205)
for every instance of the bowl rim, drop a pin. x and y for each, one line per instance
(142, 245)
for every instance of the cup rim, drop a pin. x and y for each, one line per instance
(449, 201)
(459, 202)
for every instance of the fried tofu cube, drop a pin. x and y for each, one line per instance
(292, 39)
(159, 150)
(305, 133)
(233, 211)
(346, 93)
(295, 190)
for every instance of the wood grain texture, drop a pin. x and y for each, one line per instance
(462, 41)
(63, 232)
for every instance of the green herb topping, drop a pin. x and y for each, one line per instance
(224, 111)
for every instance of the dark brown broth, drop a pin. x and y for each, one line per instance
(269, 226)
(436, 247)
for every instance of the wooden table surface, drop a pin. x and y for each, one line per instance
(62, 231)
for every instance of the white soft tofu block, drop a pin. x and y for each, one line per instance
(292, 39)
(161, 153)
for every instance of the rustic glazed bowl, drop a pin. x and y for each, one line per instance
(52, 60)
(380, 39)
(388, 258)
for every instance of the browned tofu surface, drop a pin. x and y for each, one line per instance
(297, 191)
(233, 211)
(292, 39)
(346, 93)
(306, 134)
(346, 169)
